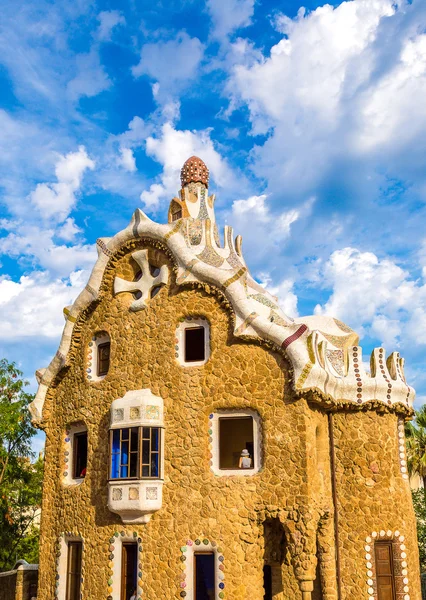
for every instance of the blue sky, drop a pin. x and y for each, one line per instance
(312, 120)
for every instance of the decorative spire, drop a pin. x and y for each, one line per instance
(194, 171)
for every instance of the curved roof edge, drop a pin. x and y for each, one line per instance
(323, 352)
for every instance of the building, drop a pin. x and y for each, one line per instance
(201, 444)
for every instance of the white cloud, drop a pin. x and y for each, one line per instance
(336, 88)
(108, 20)
(23, 243)
(32, 306)
(284, 291)
(253, 219)
(58, 199)
(375, 297)
(229, 15)
(69, 230)
(171, 149)
(170, 64)
(126, 159)
(91, 77)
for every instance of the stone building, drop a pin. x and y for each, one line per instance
(202, 444)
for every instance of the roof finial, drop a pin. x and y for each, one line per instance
(194, 171)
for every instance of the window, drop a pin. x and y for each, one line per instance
(129, 569)
(103, 358)
(177, 215)
(204, 575)
(194, 344)
(99, 356)
(384, 571)
(135, 453)
(236, 442)
(236, 448)
(73, 571)
(75, 453)
(80, 455)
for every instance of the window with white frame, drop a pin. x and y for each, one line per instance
(236, 442)
(135, 453)
(99, 354)
(75, 453)
(193, 342)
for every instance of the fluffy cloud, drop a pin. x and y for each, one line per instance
(375, 297)
(32, 306)
(284, 291)
(108, 20)
(171, 149)
(126, 159)
(91, 77)
(336, 91)
(58, 199)
(170, 64)
(229, 15)
(253, 219)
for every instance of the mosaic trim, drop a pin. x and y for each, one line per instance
(357, 375)
(232, 259)
(187, 566)
(246, 323)
(187, 272)
(263, 300)
(174, 230)
(292, 338)
(304, 375)
(336, 359)
(402, 449)
(234, 278)
(274, 317)
(399, 560)
(385, 377)
(103, 247)
(61, 563)
(114, 548)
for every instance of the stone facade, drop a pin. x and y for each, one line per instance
(330, 465)
(20, 583)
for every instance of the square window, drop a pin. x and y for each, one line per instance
(195, 344)
(236, 443)
(80, 455)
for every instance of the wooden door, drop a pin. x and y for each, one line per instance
(74, 571)
(129, 558)
(384, 571)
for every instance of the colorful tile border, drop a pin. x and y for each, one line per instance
(402, 450)
(115, 542)
(61, 563)
(399, 561)
(187, 567)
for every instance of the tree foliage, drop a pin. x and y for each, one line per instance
(20, 478)
(416, 445)
(419, 503)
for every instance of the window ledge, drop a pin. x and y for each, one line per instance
(135, 500)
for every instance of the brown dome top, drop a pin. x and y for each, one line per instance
(194, 170)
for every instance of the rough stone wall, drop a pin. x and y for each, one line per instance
(372, 497)
(8, 585)
(20, 584)
(293, 486)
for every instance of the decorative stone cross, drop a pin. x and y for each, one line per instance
(145, 285)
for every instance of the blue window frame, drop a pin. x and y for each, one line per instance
(135, 453)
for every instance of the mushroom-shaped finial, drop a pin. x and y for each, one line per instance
(194, 170)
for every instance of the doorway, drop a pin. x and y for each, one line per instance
(204, 575)
(129, 569)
